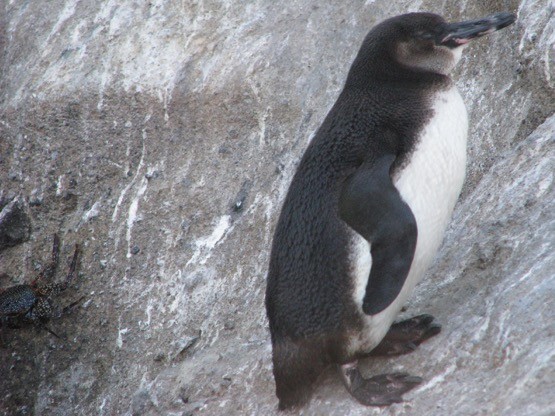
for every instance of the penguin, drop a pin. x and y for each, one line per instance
(367, 208)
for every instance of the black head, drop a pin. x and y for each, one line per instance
(421, 43)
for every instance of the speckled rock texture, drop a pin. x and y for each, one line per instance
(162, 136)
(15, 223)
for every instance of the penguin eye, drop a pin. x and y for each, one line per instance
(424, 35)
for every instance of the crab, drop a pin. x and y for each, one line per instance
(25, 304)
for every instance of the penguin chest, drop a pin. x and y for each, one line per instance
(432, 180)
(430, 183)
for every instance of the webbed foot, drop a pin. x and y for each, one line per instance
(382, 390)
(403, 337)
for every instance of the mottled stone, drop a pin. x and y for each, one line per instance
(15, 223)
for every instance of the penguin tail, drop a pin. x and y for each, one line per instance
(297, 366)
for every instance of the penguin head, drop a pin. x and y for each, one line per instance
(428, 42)
(421, 43)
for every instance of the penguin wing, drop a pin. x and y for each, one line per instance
(371, 205)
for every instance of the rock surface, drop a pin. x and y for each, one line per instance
(15, 224)
(163, 136)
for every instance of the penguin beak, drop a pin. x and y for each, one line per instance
(457, 34)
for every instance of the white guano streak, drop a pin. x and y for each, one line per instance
(132, 215)
(207, 244)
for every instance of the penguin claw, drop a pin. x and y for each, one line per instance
(432, 330)
(425, 319)
(382, 390)
(403, 337)
(415, 322)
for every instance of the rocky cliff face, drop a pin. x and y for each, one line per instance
(163, 135)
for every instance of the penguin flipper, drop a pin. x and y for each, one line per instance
(371, 205)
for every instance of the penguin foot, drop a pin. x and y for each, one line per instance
(404, 336)
(382, 390)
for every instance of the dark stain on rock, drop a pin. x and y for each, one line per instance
(15, 224)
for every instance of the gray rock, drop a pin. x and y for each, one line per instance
(15, 223)
(176, 127)
(141, 404)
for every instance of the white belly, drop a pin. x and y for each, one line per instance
(430, 184)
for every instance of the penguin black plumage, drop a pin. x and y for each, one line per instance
(367, 209)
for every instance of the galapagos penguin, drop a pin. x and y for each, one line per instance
(367, 209)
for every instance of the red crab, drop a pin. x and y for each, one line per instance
(32, 303)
